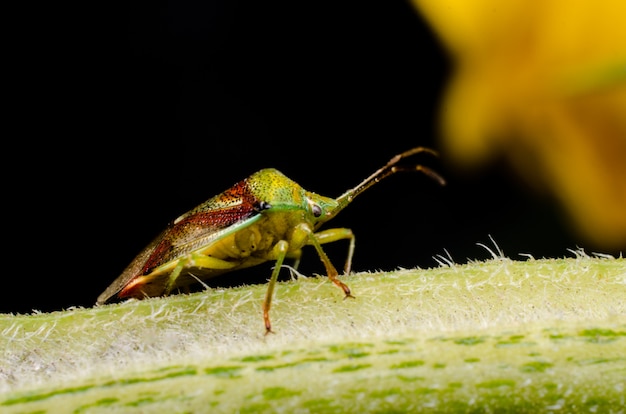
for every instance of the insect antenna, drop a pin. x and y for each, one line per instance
(390, 168)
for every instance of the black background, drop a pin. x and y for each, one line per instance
(129, 116)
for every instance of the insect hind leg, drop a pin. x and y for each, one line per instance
(195, 260)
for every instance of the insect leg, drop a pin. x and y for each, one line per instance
(171, 280)
(195, 260)
(296, 258)
(210, 262)
(279, 251)
(333, 235)
(330, 269)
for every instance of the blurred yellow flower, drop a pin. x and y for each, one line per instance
(545, 82)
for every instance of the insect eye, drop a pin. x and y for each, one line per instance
(317, 210)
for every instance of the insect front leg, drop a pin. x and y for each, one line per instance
(328, 236)
(333, 235)
(301, 235)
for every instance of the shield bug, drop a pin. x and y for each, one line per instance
(265, 217)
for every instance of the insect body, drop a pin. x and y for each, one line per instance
(265, 217)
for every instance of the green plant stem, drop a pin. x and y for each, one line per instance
(536, 335)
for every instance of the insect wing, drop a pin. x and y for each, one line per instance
(191, 232)
(131, 271)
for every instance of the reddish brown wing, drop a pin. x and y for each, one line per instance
(209, 222)
(195, 231)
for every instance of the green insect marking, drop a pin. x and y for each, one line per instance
(265, 217)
